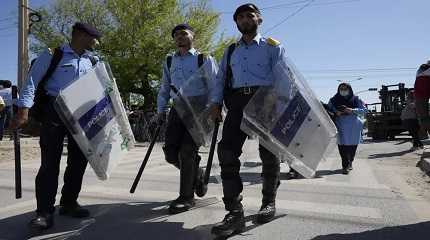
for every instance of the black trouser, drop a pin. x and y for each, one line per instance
(347, 153)
(181, 151)
(5, 118)
(52, 135)
(413, 127)
(229, 151)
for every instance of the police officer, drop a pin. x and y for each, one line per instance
(245, 66)
(422, 95)
(75, 61)
(2, 104)
(180, 149)
(6, 113)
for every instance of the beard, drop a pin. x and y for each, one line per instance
(247, 29)
(183, 43)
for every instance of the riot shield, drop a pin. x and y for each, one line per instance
(92, 110)
(290, 121)
(191, 103)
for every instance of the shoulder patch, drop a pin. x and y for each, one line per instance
(273, 42)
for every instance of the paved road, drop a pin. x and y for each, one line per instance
(375, 201)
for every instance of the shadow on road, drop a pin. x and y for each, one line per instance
(108, 222)
(402, 140)
(114, 221)
(393, 154)
(249, 219)
(416, 231)
(322, 173)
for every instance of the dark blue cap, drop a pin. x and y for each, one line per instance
(88, 29)
(182, 26)
(246, 7)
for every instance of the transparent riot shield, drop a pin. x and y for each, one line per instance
(290, 121)
(191, 103)
(92, 110)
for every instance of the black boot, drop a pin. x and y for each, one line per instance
(201, 188)
(233, 223)
(74, 210)
(42, 221)
(270, 188)
(181, 204)
(293, 174)
(350, 166)
(267, 213)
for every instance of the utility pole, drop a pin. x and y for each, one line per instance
(23, 30)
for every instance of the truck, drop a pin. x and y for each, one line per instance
(383, 118)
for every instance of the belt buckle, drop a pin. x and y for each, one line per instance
(247, 90)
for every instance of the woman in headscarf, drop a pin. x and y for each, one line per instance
(349, 110)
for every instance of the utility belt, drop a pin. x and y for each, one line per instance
(244, 90)
(237, 98)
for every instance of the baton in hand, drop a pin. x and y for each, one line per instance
(17, 149)
(145, 160)
(211, 153)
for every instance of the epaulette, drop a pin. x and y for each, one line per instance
(273, 42)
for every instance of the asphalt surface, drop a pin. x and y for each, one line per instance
(385, 197)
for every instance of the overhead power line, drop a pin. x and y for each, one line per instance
(7, 35)
(366, 76)
(7, 19)
(7, 28)
(290, 16)
(386, 69)
(295, 4)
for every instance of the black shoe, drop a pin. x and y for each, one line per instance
(181, 204)
(345, 171)
(350, 167)
(74, 210)
(266, 213)
(42, 221)
(292, 174)
(233, 223)
(200, 188)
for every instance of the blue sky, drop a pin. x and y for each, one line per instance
(329, 40)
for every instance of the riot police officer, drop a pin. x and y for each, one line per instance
(180, 149)
(52, 72)
(246, 65)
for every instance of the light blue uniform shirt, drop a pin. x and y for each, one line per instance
(182, 68)
(69, 69)
(350, 127)
(251, 65)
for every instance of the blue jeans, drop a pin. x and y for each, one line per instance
(5, 118)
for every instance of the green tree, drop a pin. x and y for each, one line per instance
(137, 35)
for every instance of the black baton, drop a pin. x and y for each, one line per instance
(145, 160)
(211, 153)
(17, 148)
